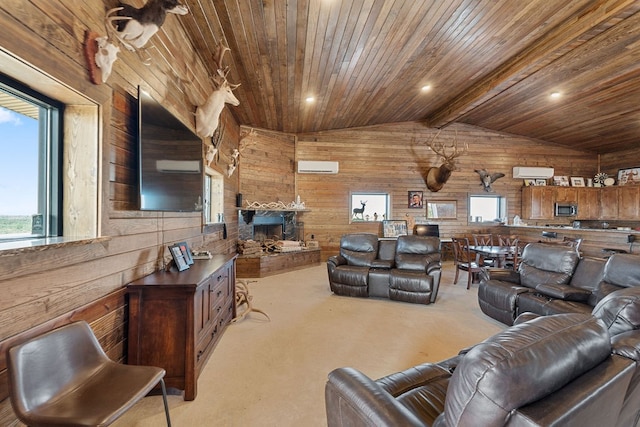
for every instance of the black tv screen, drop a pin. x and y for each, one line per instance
(170, 160)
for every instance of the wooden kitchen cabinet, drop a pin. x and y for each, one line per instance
(176, 318)
(604, 203)
(588, 199)
(608, 203)
(537, 202)
(629, 202)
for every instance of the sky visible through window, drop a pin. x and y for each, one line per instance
(18, 164)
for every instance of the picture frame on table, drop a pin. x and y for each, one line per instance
(178, 257)
(186, 252)
(541, 182)
(561, 180)
(529, 182)
(577, 181)
(629, 176)
(394, 228)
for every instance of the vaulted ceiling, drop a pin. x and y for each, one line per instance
(489, 63)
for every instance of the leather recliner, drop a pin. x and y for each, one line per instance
(553, 279)
(565, 369)
(407, 269)
(540, 263)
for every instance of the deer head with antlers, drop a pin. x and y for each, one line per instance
(208, 114)
(436, 177)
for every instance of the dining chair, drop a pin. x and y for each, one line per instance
(484, 240)
(464, 260)
(64, 378)
(512, 241)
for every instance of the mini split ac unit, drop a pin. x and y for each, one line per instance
(308, 166)
(532, 172)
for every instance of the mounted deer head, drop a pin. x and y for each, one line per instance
(134, 27)
(208, 114)
(436, 177)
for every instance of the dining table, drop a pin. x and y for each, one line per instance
(495, 252)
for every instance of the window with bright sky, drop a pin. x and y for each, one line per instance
(28, 161)
(369, 206)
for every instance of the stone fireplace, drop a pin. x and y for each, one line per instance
(261, 225)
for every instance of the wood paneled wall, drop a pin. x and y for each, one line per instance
(39, 285)
(267, 167)
(390, 159)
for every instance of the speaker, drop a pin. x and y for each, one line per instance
(239, 200)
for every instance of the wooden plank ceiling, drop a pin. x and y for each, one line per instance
(488, 63)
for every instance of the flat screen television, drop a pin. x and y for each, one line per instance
(170, 160)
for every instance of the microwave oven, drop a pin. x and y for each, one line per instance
(566, 209)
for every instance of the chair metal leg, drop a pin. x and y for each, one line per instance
(166, 404)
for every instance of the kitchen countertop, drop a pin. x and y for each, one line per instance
(566, 227)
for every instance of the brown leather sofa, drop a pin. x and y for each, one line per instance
(553, 279)
(565, 369)
(407, 269)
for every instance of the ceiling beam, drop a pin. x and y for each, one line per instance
(531, 59)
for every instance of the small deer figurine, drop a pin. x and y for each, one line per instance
(436, 177)
(359, 211)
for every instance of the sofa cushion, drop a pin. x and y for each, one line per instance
(620, 310)
(623, 270)
(523, 364)
(547, 264)
(416, 252)
(359, 249)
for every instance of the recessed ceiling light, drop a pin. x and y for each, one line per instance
(310, 99)
(555, 95)
(425, 88)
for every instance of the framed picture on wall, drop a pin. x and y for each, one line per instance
(178, 257)
(415, 200)
(442, 209)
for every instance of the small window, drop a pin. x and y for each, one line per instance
(369, 207)
(213, 209)
(30, 146)
(487, 208)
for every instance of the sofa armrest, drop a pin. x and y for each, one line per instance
(433, 266)
(563, 292)
(503, 275)
(352, 398)
(337, 260)
(525, 317)
(382, 263)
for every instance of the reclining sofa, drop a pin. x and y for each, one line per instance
(553, 279)
(566, 369)
(407, 269)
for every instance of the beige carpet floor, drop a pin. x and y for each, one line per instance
(272, 373)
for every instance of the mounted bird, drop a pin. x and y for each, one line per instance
(486, 179)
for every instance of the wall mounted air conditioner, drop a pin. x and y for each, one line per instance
(532, 172)
(309, 166)
(178, 166)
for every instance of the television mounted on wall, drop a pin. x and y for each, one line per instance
(170, 160)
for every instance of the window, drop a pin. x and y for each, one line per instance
(213, 209)
(30, 163)
(487, 208)
(369, 207)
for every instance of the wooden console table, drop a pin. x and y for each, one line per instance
(176, 318)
